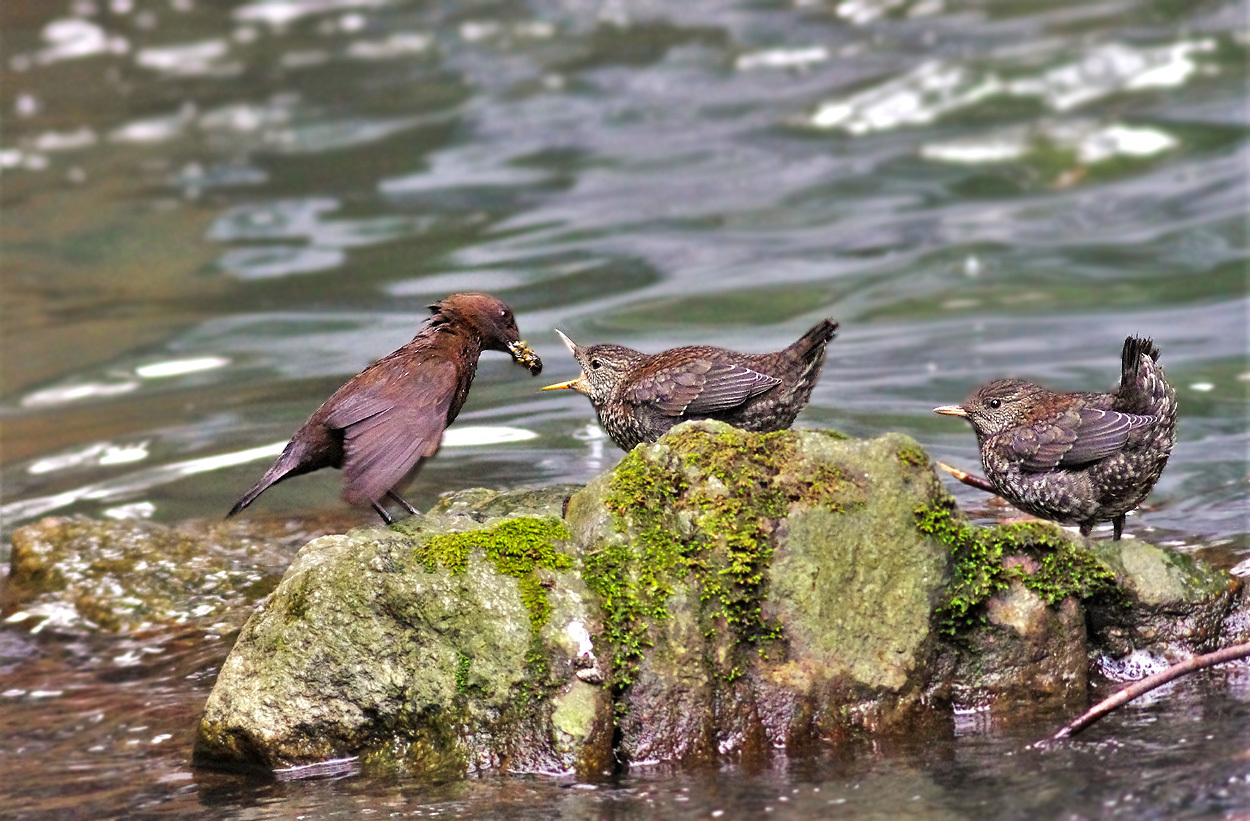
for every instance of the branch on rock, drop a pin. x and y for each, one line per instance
(1232, 653)
(970, 479)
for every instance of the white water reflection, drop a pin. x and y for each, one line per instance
(200, 59)
(72, 393)
(1090, 143)
(936, 88)
(101, 454)
(180, 367)
(782, 58)
(125, 486)
(75, 39)
(280, 13)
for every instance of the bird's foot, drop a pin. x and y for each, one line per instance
(386, 517)
(402, 501)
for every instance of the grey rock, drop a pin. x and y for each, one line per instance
(367, 650)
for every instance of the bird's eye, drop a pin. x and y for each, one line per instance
(595, 364)
(995, 404)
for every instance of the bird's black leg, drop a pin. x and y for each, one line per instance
(1117, 525)
(386, 517)
(406, 504)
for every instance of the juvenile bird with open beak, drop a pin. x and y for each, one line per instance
(638, 396)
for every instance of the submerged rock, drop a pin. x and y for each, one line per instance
(77, 575)
(718, 594)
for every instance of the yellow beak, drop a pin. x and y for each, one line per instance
(952, 410)
(579, 384)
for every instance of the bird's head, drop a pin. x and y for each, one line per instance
(494, 323)
(603, 367)
(999, 405)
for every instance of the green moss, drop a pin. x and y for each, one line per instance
(297, 606)
(1055, 566)
(701, 511)
(913, 454)
(463, 662)
(517, 547)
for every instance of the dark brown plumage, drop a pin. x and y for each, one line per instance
(1076, 458)
(390, 416)
(640, 396)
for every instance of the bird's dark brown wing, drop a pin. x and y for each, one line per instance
(1076, 437)
(384, 436)
(699, 387)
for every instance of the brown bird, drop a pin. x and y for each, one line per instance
(639, 396)
(389, 417)
(1075, 458)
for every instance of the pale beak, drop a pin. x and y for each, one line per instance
(952, 410)
(579, 384)
(568, 343)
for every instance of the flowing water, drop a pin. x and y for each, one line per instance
(215, 212)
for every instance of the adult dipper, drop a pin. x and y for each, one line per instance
(640, 396)
(1076, 458)
(389, 417)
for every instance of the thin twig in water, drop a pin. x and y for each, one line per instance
(1231, 653)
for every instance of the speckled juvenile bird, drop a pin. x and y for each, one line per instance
(389, 417)
(1076, 458)
(640, 396)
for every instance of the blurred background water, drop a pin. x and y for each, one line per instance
(213, 213)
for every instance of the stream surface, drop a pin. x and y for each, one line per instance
(214, 213)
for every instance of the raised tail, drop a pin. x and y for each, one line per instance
(814, 339)
(1144, 388)
(1130, 360)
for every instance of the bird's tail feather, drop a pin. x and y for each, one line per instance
(818, 336)
(281, 469)
(1144, 389)
(1130, 361)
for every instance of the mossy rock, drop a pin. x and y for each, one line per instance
(719, 593)
(760, 589)
(1173, 604)
(1030, 604)
(419, 650)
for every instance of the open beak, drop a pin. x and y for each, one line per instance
(568, 343)
(952, 410)
(579, 384)
(522, 354)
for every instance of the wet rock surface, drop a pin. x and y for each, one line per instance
(77, 575)
(743, 576)
(446, 645)
(719, 595)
